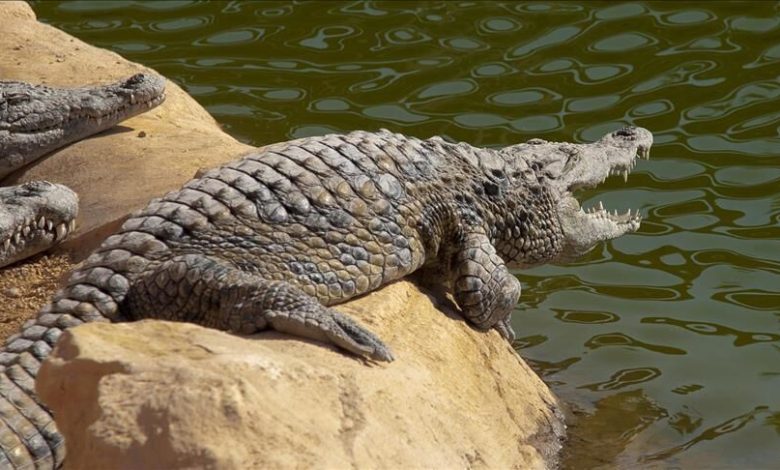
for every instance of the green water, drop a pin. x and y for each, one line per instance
(666, 342)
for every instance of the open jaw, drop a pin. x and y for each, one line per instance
(34, 217)
(615, 154)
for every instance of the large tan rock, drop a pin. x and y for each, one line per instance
(164, 395)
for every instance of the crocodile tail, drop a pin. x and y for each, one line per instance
(28, 435)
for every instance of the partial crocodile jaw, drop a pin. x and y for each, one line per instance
(97, 118)
(35, 230)
(628, 218)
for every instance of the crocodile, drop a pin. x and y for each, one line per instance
(276, 238)
(34, 121)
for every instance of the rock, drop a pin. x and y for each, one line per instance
(12, 292)
(155, 394)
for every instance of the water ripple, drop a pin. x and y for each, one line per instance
(551, 38)
(584, 74)
(741, 338)
(625, 378)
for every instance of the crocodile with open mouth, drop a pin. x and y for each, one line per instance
(273, 240)
(36, 120)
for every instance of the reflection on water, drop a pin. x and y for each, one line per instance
(617, 419)
(667, 340)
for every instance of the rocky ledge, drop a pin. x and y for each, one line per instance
(156, 394)
(168, 395)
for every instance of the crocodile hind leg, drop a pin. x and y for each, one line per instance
(483, 287)
(199, 289)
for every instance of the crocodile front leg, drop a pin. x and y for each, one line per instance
(483, 287)
(198, 289)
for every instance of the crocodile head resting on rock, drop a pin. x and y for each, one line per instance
(565, 169)
(37, 119)
(33, 217)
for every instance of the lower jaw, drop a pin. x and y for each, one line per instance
(28, 247)
(26, 252)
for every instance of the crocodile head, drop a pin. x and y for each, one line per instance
(33, 217)
(563, 169)
(36, 119)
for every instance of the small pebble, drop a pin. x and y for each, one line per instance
(12, 292)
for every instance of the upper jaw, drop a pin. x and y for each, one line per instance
(614, 154)
(36, 109)
(105, 106)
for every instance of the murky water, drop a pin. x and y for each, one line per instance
(666, 341)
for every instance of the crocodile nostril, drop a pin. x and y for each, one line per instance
(628, 131)
(39, 185)
(135, 80)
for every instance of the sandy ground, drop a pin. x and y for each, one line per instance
(26, 287)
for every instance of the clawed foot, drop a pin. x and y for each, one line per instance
(504, 327)
(353, 337)
(332, 327)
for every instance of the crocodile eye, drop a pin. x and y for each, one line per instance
(572, 157)
(16, 98)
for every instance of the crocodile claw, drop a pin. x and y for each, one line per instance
(358, 340)
(504, 327)
(330, 326)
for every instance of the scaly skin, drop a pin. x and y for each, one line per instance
(272, 240)
(35, 120)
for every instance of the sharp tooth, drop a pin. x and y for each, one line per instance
(72, 225)
(601, 206)
(49, 225)
(26, 231)
(625, 176)
(7, 244)
(41, 222)
(132, 98)
(62, 230)
(17, 237)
